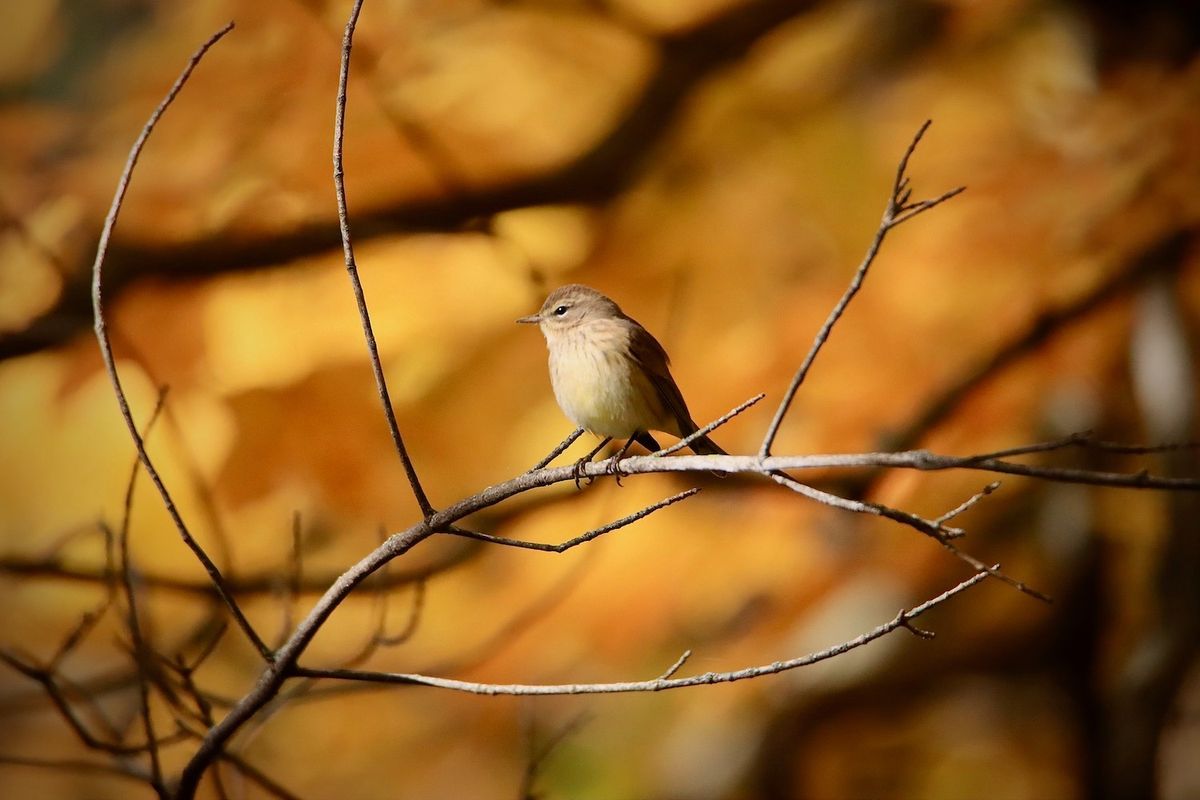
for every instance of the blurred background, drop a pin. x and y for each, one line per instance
(719, 167)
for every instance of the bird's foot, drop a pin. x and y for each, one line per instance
(613, 467)
(582, 463)
(577, 472)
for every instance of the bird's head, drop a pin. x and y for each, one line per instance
(570, 306)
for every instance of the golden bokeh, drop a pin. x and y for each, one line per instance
(719, 168)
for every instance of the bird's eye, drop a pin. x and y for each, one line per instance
(558, 312)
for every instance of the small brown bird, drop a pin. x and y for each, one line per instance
(610, 376)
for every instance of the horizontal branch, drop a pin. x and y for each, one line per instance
(902, 620)
(923, 460)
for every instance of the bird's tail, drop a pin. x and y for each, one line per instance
(702, 445)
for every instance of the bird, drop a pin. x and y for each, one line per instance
(610, 375)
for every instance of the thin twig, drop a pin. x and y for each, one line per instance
(583, 538)
(931, 528)
(186, 671)
(381, 638)
(678, 665)
(110, 365)
(410, 625)
(88, 621)
(208, 648)
(928, 527)
(898, 211)
(50, 684)
(133, 621)
(294, 579)
(559, 449)
(994, 571)
(968, 503)
(339, 186)
(710, 427)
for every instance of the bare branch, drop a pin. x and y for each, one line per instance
(87, 622)
(928, 527)
(678, 665)
(559, 449)
(710, 427)
(995, 572)
(380, 637)
(901, 620)
(385, 639)
(282, 667)
(294, 579)
(207, 650)
(968, 504)
(583, 538)
(139, 648)
(1085, 441)
(898, 211)
(931, 528)
(50, 683)
(110, 365)
(923, 460)
(339, 184)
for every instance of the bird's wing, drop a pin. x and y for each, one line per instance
(653, 359)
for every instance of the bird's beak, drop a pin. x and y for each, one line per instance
(532, 319)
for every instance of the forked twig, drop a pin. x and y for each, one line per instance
(899, 210)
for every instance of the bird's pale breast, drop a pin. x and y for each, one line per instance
(598, 386)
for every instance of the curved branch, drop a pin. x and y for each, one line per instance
(110, 365)
(902, 620)
(339, 186)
